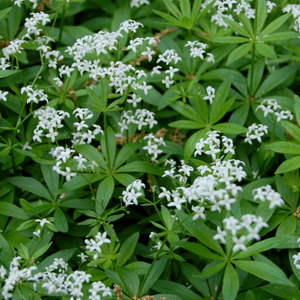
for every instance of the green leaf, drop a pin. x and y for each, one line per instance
(275, 79)
(284, 147)
(270, 243)
(78, 203)
(261, 15)
(139, 267)
(174, 10)
(5, 73)
(185, 7)
(297, 108)
(199, 250)
(282, 291)
(60, 220)
(213, 268)
(167, 217)
(168, 287)
(109, 149)
(104, 193)
(127, 249)
(289, 165)
(4, 12)
(168, 17)
(229, 128)
(51, 179)
(192, 274)
(219, 100)
(41, 251)
(263, 271)
(187, 111)
(238, 53)
(125, 152)
(196, 9)
(125, 179)
(280, 36)
(11, 210)
(287, 226)
(200, 231)
(205, 10)
(6, 251)
(154, 274)
(292, 129)
(265, 50)
(229, 39)
(236, 27)
(31, 185)
(92, 154)
(186, 124)
(274, 25)
(230, 283)
(120, 15)
(140, 166)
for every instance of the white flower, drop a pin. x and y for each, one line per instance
(198, 212)
(43, 222)
(3, 95)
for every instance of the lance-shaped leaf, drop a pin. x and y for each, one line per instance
(230, 283)
(238, 53)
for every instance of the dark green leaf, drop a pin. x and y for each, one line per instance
(238, 53)
(289, 165)
(11, 210)
(230, 283)
(284, 147)
(265, 50)
(60, 220)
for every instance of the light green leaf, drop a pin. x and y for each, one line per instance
(109, 149)
(280, 36)
(289, 165)
(125, 152)
(297, 108)
(265, 50)
(284, 147)
(186, 124)
(261, 15)
(275, 24)
(236, 27)
(5, 73)
(185, 7)
(282, 291)
(229, 128)
(238, 53)
(292, 129)
(229, 39)
(4, 12)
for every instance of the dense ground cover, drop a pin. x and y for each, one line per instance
(149, 149)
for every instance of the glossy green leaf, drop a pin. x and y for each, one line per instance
(212, 269)
(125, 152)
(186, 124)
(4, 12)
(229, 39)
(185, 7)
(236, 27)
(297, 108)
(104, 193)
(140, 166)
(282, 291)
(287, 226)
(289, 165)
(189, 148)
(280, 36)
(261, 15)
(293, 130)
(263, 271)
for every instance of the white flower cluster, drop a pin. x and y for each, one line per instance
(296, 258)
(295, 10)
(83, 134)
(138, 3)
(141, 118)
(211, 145)
(215, 188)
(50, 120)
(15, 276)
(168, 57)
(197, 50)
(119, 74)
(256, 132)
(271, 106)
(210, 94)
(239, 7)
(152, 146)
(133, 192)
(251, 223)
(267, 193)
(94, 245)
